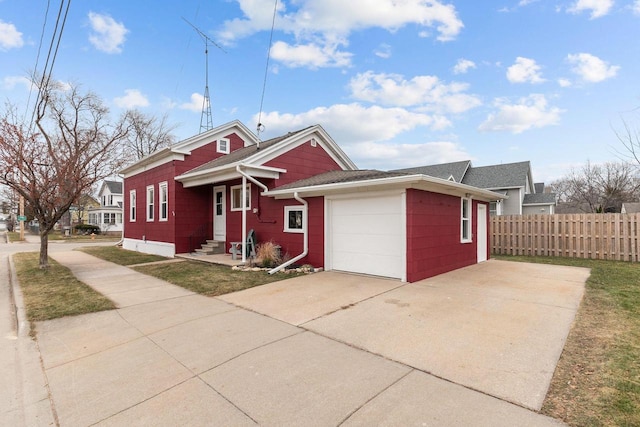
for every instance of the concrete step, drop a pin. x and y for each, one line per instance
(211, 247)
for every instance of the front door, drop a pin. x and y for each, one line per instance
(482, 232)
(219, 214)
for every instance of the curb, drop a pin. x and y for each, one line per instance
(37, 405)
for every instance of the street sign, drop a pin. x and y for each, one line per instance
(22, 218)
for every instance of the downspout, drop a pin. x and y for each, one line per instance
(246, 176)
(305, 233)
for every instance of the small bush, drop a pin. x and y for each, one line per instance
(268, 254)
(87, 229)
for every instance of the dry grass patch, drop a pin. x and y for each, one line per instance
(210, 279)
(54, 292)
(597, 380)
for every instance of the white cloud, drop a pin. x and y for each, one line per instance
(389, 155)
(133, 98)
(636, 7)
(195, 104)
(10, 37)
(463, 65)
(10, 82)
(598, 8)
(524, 70)
(375, 123)
(309, 55)
(591, 68)
(108, 35)
(528, 113)
(564, 82)
(327, 24)
(384, 50)
(427, 92)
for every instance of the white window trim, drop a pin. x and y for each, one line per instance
(224, 150)
(287, 210)
(133, 209)
(469, 220)
(236, 187)
(163, 186)
(149, 213)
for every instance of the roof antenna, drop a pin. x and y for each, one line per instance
(260, 127)
(206, 120)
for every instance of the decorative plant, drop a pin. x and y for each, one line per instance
(268, 254)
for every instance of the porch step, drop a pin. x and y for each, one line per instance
(212, 247)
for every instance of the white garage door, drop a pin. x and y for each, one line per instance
(367, 235)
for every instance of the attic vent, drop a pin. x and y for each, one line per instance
(451, 178)
(314, 142)
(223, 146)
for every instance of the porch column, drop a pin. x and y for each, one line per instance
(244, 219)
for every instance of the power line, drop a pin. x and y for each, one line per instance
(260, 126)
(35, 68)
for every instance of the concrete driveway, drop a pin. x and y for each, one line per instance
(497, 327)
(325, 349)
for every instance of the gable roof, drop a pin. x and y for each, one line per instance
(631, 207)
(252, 158)
(539, 187)
(115, 187)
(508, 175)
(456, 170)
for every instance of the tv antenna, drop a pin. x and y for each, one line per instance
(206, 120)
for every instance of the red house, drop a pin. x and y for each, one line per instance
(301, 191)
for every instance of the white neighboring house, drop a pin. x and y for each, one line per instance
(108, 216)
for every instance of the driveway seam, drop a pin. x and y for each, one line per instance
(230, 402)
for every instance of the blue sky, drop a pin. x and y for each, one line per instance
(395, 83)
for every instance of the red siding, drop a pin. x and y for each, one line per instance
(303, 162)
(433, 235)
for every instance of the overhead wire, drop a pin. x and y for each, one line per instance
(260, 126)
(35, 68)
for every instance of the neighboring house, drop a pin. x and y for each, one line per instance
(302, 192)
(630, 208)
(513, 180)
(108, 215)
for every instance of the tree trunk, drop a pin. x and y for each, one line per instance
(44, 249)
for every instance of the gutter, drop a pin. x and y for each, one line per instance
(305, 234)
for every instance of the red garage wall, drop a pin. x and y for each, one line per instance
(433, 235)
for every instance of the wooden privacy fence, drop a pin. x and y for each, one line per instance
(596, 236)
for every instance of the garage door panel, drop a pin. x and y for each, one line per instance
(368, 235)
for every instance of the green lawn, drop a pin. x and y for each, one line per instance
(121, 256)
(597, 381)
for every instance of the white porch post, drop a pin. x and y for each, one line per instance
(244, 219)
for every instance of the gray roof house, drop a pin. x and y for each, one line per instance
(630, 207)
(510, 179)
(108, 216)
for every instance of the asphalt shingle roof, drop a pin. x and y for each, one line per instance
(632, 207)
(539, 198)
(507, 175)
(443, 171)
(115, 187)
(334, 177)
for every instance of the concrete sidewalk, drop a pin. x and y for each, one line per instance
(169, 357)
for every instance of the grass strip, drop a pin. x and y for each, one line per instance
(54, 292)
(121, 256)
(597, 380)
(210, 279)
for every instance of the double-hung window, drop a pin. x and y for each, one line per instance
(150, 202)
(164, 201)
(132, 205)
(465, 220)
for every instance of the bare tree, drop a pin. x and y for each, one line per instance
(599, 188)
(74, 145)
(630, 139)
(146, 134)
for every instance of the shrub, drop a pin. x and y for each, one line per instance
(87, 229)
(268, 254)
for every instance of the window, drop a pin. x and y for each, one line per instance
(236, 198)
(223, 146)
(164, 201)
(295, 218)
(118, 218)
(93, 219)
(109, 218)
(132, 205)
(465, 223)
(150, 196)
